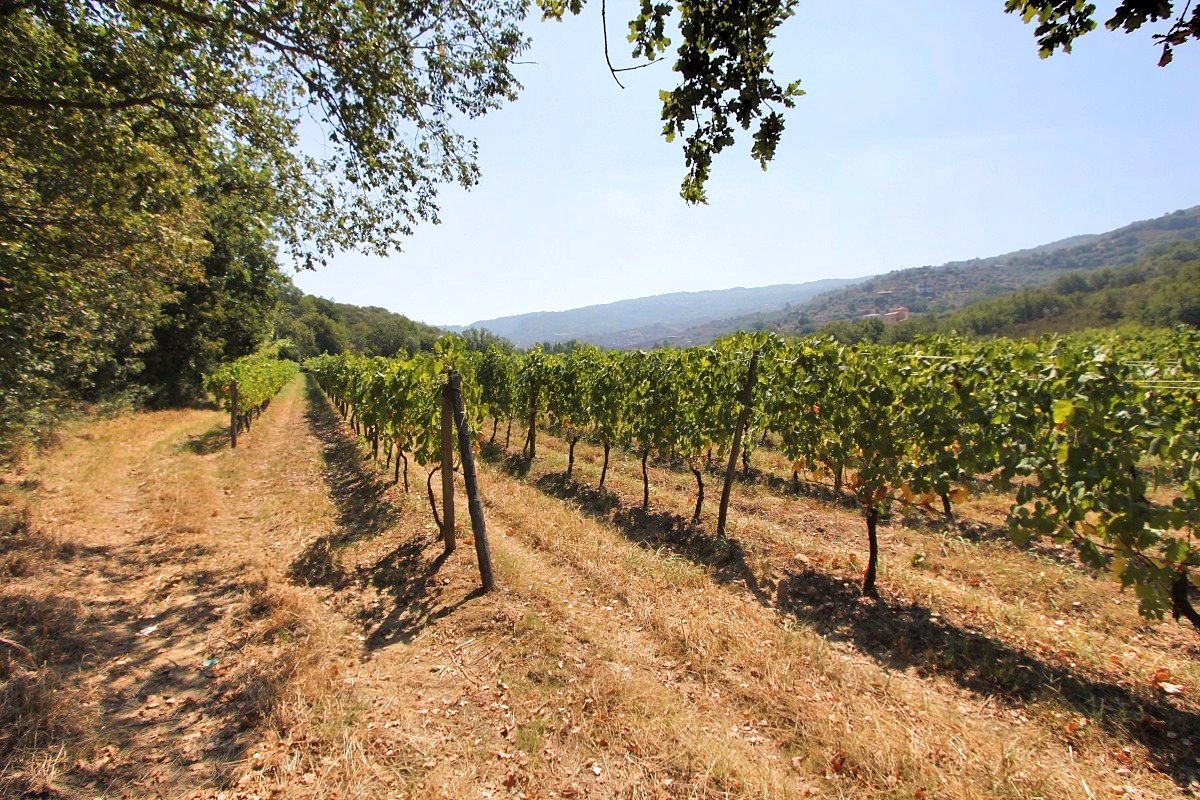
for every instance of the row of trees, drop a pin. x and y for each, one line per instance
(396, 403)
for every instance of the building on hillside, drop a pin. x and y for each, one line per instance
(897, 314)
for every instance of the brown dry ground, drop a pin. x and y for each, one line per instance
(182, 620)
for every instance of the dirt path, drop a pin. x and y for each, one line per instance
(279, 621)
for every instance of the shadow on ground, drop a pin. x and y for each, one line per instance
(902, 635)
(217, 438)
(55, 647)
(364, 511)
(723, 557)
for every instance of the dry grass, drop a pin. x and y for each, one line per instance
(935, 627)
(310, 639)
(167, 640)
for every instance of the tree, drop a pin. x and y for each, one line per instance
(725, 77)
(97, 220)
(223, 313)
(384, 81)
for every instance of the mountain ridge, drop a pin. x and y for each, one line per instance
(645, 321)
(689, 318)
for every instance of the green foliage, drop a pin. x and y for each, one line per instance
(723, 61)
(1160, 290)
(400, 399)
(1082, 422)
(1061, 22)
(1070, 425)
(317, 326)
(937, 290)
(384, 81)
(259, 377)
(226, 312)
(97, 220)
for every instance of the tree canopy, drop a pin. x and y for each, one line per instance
(381, 84)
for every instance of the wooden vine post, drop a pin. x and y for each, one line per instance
(233, 413)
(746, 397)
(474, 501)
(531, 439)
(447, 469)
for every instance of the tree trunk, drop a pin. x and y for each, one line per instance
(795, 482)
(738, 431)
(391, 447)
(868, 587)
(946, 506)
(571, 457)
(483, 551)
(837, 481)
(233, 418)
(508, 434)
(405, 458)
(495, 424)
(437, 518)
(1181, 604)
(699, 494)
(604, 469)
(645, 481)
(396, 477)
(746, 458)
(763, 440)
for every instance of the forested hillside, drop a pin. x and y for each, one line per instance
(315, 325)
(953, 285)
(1158, 291)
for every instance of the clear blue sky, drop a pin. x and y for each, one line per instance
(930, 132)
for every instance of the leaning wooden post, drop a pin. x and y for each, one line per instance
(746, 397)
(447, 469)
(233, 413)
(474, 501)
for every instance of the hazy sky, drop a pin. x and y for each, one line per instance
(930, 132)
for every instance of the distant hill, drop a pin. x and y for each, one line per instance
(1162, 289)
(957, 284)
(647, 321)
(316, 325)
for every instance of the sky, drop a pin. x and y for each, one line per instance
(930, 132)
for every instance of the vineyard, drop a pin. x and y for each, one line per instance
(673, 602)
(245, 387)
(1095, 439)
